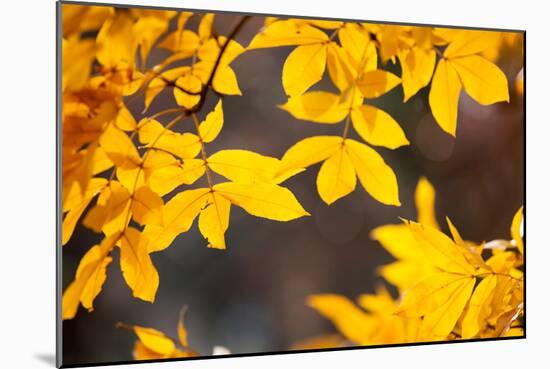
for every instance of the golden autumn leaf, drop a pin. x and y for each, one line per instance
(444, 95)
(303, 68)
(377, 127)
(246, 166)
(355, 324)
(263, 200)
(482, 80)
(358, 159)
(309, 151)
(376, 83)
(214, 220)
(155, 135)
(337, 177)
(75, 208)
(178, 216)
(462, 67)
(89, 279)
(155, 340)
(287, 33)
(136, 265)
(478, 308)
(375, 175)
(424, 199)
(417, 66)
(141, 185)
(164, 180)
(212, 125)
(317, 106)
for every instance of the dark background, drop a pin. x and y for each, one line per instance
(251, 297)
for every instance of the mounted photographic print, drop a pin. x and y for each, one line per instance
(239, 184)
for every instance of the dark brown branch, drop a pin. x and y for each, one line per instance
(206, 87)
(175, 85)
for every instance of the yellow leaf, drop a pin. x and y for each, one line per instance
(225, 81)
(155, 340)
(439, 323)
(211, 49)
(303, 68)
(146, 206)
(309, 151)
(205, 26)
(212, 125)
(117, 46)
(181, 42)
(263, 200)
(352, 322)
(474, 258)
(502, 262)
(417, 68)
(424, 199)
(481, 79)
(89, 279)
(478, 310)
(119, 148)
(376, 83)
(178, 215)
(411, 266)
(381, 302)
(136, 265)
(287, 33)
(125, 120)
(399, 241)
(75, 210)
(82, 18)
(111, 214)
(440, 251)
(469, 42)
(377, 127)
(454, 232)
(191, 83)
(336, 177)
(340, 68)
(166, 179)
(317, 106)
(146, 32)
(444, 95)
(516, 229)
(405, 274)
(245, 166)
(214, 220)
(132, 178)
(156, 159)
(430, 293)
(325, 24)
(356, 41)
(184, 145)
(78, 56)
(375, 175)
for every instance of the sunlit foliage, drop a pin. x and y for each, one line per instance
(133, 177)
(448, 288)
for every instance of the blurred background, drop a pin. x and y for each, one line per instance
(251, 297)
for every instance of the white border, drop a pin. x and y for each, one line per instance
(27, 182)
